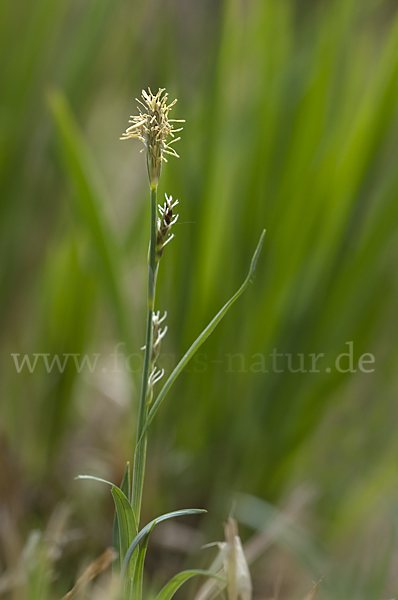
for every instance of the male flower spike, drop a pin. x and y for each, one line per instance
(153, 127)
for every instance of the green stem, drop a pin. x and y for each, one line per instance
(141, 440)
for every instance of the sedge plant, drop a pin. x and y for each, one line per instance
(156, 130)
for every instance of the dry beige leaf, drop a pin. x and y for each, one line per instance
(313, 592)
(95, 568)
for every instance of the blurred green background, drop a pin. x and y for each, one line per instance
(291, 124)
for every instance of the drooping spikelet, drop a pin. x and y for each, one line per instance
(153, 127)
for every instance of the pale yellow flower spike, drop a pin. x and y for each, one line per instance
(152, 126)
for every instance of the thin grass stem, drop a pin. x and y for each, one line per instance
(141, 440)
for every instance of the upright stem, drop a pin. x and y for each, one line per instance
(140, 448)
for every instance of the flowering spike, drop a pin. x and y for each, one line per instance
(165, 221)
(155, 376)
(152, 126)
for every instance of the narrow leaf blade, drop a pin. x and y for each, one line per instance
(126, 521)
(176, 582)
(126, 482)
(126, 489)
(202, 338)
(92, 478)
(125, 515)
(139, 567)
(149, 527)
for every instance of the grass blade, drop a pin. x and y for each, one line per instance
(176, 582)
(126, 482)
(126, 521)
(149, 527)
(139, 567)
(203, 337)
(125, 516)
(126, 489)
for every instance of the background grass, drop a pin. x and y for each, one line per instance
(291, 124)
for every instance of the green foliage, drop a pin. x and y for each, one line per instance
(176, 582)
(130, 540)
(125, 488)
(203, 337)
(139, 567)
(148, 528)
(126, 520)
(291, 124)
(125, 516)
